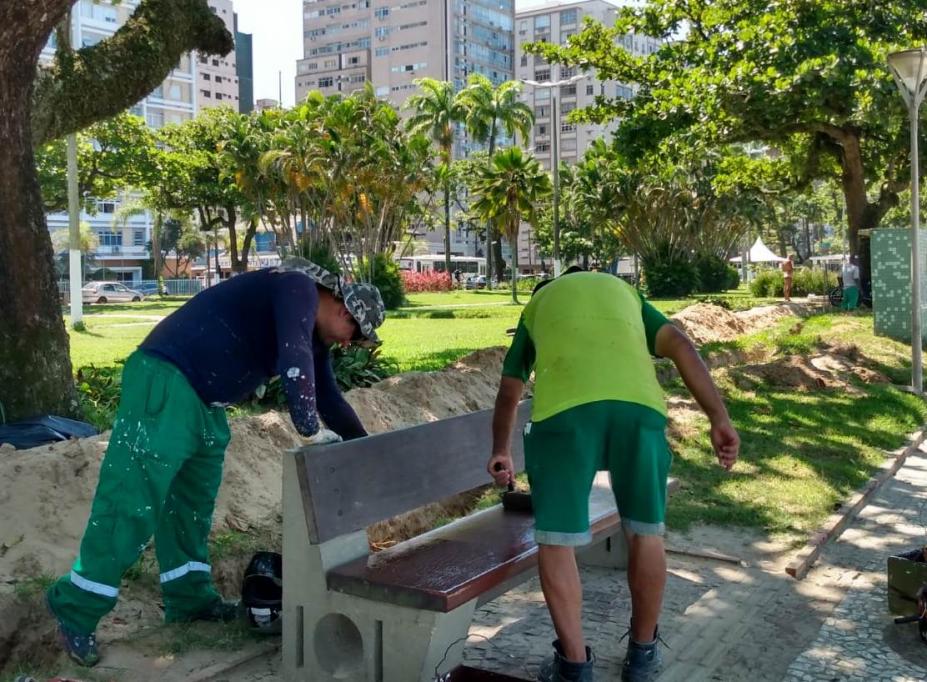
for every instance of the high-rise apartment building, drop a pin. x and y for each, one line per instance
(123, 248)
(555, 22)
(217, 76)
(391, 43)
(244, 69)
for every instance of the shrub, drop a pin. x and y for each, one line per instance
(417, 282)
(383, 272)
(669, 279)
(98, 390)
(768, 282)
(715, 274)
(320, 254)
(359, 367)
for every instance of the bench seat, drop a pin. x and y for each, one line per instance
(470, 558)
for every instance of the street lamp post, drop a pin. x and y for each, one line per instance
(555, 149)
(909, 67)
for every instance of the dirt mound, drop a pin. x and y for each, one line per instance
(707, 323)
(825, 371)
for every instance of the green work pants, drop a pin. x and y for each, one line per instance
(160, 476)
(850, 298)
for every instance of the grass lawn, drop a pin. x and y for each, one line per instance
(803, 453)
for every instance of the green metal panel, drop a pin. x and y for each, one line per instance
(891, 281)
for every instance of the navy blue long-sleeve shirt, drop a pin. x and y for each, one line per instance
(233, 337)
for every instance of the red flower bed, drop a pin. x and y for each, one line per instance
(415, 282)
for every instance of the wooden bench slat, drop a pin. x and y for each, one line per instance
(449, 566)
(348, 486)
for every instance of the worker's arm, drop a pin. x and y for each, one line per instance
(296, 302)
(516, 368)
(674, 344)
(338, 415)
(503, 421)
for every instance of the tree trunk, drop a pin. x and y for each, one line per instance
(498, 260)
(447, 228)
(35, 366)
(514, 244)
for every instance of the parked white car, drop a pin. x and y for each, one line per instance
(107, 292)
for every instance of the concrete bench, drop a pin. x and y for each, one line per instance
(403, 614)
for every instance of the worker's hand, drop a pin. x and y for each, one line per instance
(323, 437)
(726, 442)
(501, 468)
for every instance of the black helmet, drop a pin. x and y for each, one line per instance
(262, 592)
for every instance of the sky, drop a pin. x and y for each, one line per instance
(276, 27)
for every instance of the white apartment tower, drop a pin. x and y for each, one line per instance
(217, 78)
(555, 22)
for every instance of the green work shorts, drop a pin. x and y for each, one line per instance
(563, 453)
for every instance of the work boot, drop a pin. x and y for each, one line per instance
(559, 669)
(80, 648)
(643, 661)
(217, 611)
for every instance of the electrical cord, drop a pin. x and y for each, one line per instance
(447, 676)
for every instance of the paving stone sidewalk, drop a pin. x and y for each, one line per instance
(726, 622)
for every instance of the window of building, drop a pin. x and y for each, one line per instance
(382, 51)
(524, 60)
(218, 79)
(568, 144)
(567, 127)
(382, 91)
(542, 23)
(203, 60)
(567, 72)
(218, 95)
(405, 27)
(568, 16)
(541, 112)
(542, 147)
(215, 62)
(155, 118)
(207, 77)
(383, 31)
(568, 91)
(331, 64)
(542, 75)
(353, 60)
(205, 93)
(138, 238)
(541, 94)
(358, 78)
(590, 89)
(109, 238)
(106, 206)
(567, 107)
(326, 82)
(381, 13)
(542, 130)
(522, 28)
(624, 92)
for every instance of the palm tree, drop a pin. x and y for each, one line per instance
(509, 188)
(436, 111)
(490, 110)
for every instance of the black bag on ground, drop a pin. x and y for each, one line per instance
(30, 433)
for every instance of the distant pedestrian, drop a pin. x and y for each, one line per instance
(850, 275)
(788, 267)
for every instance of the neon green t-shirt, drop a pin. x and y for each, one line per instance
(588, 336)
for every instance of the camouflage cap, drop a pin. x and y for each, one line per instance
(317, 273)
(364, 303)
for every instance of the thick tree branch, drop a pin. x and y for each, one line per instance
(118, 72)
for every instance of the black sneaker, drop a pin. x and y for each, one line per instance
(218, 611)
(642, 663)
(82, 649)
(559, 669)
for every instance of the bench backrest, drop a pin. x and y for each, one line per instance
(348, 486)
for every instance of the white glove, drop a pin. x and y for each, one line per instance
(323, 437)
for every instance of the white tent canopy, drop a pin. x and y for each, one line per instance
(760, 253)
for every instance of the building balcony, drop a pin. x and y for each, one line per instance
(107, 251)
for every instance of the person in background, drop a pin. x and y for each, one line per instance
(788, 268)
(850, 274)
(597, 405)
(163, 465)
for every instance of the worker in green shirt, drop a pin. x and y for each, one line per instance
(589, 338)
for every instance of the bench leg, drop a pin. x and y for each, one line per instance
(612, 552)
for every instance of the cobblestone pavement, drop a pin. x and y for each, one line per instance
(724, 622)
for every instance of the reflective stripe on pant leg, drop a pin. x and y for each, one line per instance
(89, 586)
(181, 571)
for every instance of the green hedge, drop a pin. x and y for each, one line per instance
(768, 282)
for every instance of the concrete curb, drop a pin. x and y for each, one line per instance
(226, 666)
(835, 525)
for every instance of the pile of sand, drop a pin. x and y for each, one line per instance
(827, 370)
(707, 323)
(45, 492)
